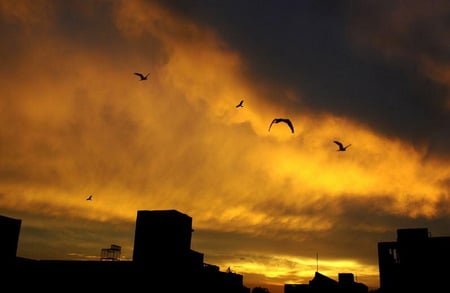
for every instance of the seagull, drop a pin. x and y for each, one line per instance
(89, 197)
(142, 77)
(342, 148)
(240, 104)
(285, 120)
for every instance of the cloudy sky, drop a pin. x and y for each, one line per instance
(271, 205)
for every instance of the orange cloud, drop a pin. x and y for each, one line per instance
(80, 122)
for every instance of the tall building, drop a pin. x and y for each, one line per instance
(10, 229)
(161, 233)
(416, 261)
(163, 238)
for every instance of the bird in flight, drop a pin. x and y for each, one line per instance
(285, 120)
(141, 76)
(240, 104)
(89, 197)
(341, 148)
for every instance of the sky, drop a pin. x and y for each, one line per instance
(274, 206)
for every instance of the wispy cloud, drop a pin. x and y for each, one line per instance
(77, 121)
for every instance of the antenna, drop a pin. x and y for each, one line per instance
(317, 262)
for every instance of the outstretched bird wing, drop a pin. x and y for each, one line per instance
(341, 146)
(273, 121)
(285, 120)
(289, 123)
(143, 77)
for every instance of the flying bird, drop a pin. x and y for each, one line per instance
(240, 104)
(141, 76)
(285, 120)
(89, 197)
(342, 148)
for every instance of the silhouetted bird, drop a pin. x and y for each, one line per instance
(240, 104)
(342, 148)
(285, 120)
(89, 197)
(141, 76)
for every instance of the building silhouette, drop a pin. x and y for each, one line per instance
(323, 284)
(163, 237)
(10, 230)
(112, 253)
(167, 232)
(415, 262)
(162, 259)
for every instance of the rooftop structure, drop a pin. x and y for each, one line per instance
(416, 261)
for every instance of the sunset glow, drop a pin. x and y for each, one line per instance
(76, 121)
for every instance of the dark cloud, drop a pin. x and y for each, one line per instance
(308, 47)
(82, 123)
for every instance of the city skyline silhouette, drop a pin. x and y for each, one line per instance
(162, 251)
(76, 120)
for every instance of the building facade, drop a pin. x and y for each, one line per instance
(415, 262)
